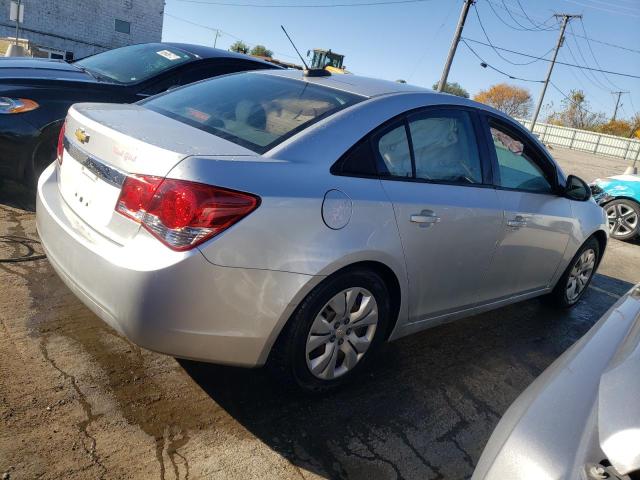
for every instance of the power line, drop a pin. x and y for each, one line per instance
(435, 35)
(511, 14)
(582, 85)
(485, 64)
(297, 5)
(498, 53)
(632, 105)
(586, 5)
(537, 25)
(566, 18)
(214, 29)
(522, 28)
(592, 79)
(606, 43)
(454, 44)
(594, 55)
(584, 60)
(561, 63)
(571, 99)
(602, 42)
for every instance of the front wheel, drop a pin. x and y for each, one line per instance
(623, 218)
(577, 276)
(334, 332)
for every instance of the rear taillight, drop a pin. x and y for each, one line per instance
(60, 149)
(180, 213)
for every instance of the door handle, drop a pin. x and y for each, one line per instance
(425, 218)
(518, 222)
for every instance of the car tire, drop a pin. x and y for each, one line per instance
(576, 278)
(298, 358)
(623, 217)
(44, 154)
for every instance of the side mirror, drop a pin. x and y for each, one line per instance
(577, 189)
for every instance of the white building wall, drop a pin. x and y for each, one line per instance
(85, 27)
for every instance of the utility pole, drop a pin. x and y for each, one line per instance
(565, 19)
(215, 40)
(454, 44)
(18, 21)
(615, 110)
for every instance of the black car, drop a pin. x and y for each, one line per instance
(35, 94)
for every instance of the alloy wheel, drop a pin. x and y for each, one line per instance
(341, 333)
(580, 274)
(622, 219)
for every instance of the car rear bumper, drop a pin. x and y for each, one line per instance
(176, 303)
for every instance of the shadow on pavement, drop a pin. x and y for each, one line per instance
(14, 194)
(429, 402)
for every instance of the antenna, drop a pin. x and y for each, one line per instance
(308, 72)
(294, 46)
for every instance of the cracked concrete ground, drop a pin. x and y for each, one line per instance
(77, 401)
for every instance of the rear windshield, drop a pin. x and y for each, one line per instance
(253, 110)
(135, 63)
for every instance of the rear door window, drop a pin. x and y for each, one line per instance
(253, 110)
(445, 148)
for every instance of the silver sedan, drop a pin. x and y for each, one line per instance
(299, 221)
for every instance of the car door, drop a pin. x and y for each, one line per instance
(448, 215)
(538, 220)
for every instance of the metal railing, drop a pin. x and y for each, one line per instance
(592, 142)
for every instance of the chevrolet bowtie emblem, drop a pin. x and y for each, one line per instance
(82, 136)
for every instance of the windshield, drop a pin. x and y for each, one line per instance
(253, 110)
(135, 63)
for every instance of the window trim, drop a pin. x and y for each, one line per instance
(548, 166)
(486, 164)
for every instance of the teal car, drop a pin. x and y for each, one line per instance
(620, 197)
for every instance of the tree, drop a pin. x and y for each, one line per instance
(512, 100)
(261, 51)
(576, 114)
(635, 126)
(620, 128)
(453, 88)
(239, 47)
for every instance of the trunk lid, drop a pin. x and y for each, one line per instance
(106, 142)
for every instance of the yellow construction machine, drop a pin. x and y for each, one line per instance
(328, 60)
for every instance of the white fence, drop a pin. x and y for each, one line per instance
(598, 143)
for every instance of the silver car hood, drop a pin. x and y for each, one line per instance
(581, 410)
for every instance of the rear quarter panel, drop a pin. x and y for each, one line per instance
(287, 232)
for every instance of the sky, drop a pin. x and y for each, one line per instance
(410, 40)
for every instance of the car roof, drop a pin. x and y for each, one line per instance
(374, 87)
(364, 86)
(210, 52)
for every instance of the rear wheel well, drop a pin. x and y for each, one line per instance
(390, 280)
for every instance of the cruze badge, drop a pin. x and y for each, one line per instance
(81, 135)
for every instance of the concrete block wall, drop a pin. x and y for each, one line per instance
(85, 27)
